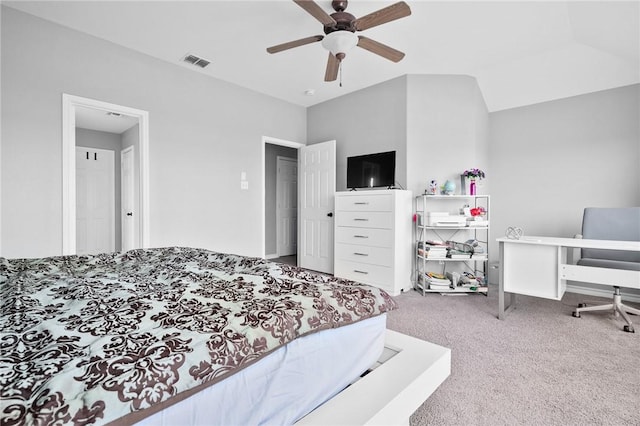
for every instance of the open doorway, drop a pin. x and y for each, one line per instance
(315, 198)
(281, 200)
(105, 145)
(94, 131)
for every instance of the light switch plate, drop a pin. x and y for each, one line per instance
(244, 184)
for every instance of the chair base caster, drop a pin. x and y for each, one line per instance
(576, 314)
(628, 329)
(582, 305)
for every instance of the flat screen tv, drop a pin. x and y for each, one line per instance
(372, 170)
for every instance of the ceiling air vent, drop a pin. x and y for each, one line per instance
(196, 60)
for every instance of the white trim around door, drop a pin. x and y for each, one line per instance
(69, 105)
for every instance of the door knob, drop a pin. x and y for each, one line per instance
(129, 214)
(330, 214)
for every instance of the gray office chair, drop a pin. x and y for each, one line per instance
(611, 224)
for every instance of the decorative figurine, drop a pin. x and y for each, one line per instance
(433, 188)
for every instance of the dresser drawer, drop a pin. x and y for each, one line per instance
(379, 276)
(382, 220)
(364, 254)
(362, 203)
(374, 237)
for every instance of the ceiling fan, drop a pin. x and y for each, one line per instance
(340, 28)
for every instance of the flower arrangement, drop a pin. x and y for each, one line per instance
(473, 174)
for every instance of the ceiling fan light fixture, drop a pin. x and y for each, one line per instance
(340, 41)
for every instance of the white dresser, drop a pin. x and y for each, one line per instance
(373, 238)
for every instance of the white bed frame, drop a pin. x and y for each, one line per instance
(391, 392)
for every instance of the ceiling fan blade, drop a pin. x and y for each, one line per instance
(380, 49)
(316, 11)
(382, 16)
(332, 68)
(295, 43)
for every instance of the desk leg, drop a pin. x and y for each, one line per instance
(502, 309)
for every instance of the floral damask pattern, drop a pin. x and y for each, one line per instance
(92, 339)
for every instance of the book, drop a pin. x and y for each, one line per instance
(436, 254)
(438, 287)
(434, 278)
(455, 254)
(478, 223)
(437, 276)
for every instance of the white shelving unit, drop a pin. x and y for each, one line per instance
(478, 264)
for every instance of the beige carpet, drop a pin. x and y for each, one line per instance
(540, 366)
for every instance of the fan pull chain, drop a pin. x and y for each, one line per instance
(340, 71)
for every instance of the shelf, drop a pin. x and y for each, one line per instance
(448, 259)
(480, 289)
(454, 196)
(452, 227)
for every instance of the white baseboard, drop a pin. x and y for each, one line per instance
(271, 256)
(590, 291)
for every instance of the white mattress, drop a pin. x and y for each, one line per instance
(285, 385)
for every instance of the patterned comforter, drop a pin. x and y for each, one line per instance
(118, 336)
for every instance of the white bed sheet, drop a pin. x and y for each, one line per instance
(285, 385)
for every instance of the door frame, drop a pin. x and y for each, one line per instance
(69, 105)
(273, 141)
(280, 159)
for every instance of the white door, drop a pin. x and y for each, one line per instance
(286, 205)
(127, 192)
(316, 190)
(95, 201)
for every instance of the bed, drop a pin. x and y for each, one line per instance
(159, 336)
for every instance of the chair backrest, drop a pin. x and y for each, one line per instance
(604, 223)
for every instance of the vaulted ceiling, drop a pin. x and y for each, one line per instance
(520, 52)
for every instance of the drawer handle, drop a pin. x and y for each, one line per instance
(360, 236)
(360, 272)
(361, 220)
(361, 254)
(362, 203)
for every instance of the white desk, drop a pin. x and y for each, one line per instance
(537, 266)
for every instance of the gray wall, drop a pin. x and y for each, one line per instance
(551, 160)
(112, 142)
(363, 122)
(438, 126)
(203, 133)
(271, 173)
(447, 130)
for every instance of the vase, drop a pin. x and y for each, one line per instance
(472, 187)
(449, 187)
